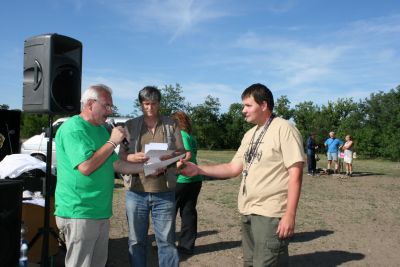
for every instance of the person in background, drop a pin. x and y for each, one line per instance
(152, 194)
(187, 188)
(270, 159)
(85, 179)
(333, 145)
(348, 155)
(311, 161)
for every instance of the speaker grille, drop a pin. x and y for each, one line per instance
(52, 74)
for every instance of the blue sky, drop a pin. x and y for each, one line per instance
(315, 50)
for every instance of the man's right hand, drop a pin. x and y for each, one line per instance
(188, 168)
(117, 135)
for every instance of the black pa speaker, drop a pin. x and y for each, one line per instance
(52, 74)
(10, 221)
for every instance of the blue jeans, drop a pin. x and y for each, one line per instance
(311, 162)
(162, 208)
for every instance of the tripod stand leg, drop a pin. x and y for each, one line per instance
(45, 247)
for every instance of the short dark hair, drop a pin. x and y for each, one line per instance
(260, 93)
(149, 93)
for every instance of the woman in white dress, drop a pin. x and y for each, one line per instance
(348, 155)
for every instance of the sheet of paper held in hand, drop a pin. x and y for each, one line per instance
(154, 151)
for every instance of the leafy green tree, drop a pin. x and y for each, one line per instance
(206, 123)
(172, 100)
(351, 118)
(373, 123)
(282, 108)
(306, 116)
(235, 126)
(381, 135)
(4, 106)
(32, 124)
(330, 118)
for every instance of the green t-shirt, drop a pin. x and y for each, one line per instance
(190, 144)
(77, 195)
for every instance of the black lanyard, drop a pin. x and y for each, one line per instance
(251, 152)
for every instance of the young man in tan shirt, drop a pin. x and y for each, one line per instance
(270, 159)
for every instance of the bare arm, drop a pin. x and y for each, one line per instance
(349, 145)
(287, 223)
(221, 171)
(102, 154)
(125, 167)
(178, 141)
(188, 156)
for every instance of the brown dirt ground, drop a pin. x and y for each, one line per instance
(340, 222)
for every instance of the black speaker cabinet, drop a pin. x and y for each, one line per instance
(52, 74)
(10, 221)
(10, 130)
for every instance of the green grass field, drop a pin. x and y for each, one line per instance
(368, 166)
(337, 216)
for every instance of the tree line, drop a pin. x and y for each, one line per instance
(373, 122)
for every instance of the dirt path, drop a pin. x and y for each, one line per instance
(346, 222)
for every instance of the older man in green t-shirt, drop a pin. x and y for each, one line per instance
(85, 179)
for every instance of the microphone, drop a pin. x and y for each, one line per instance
(124, 141)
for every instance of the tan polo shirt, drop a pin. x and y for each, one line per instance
(151, 183)
(266, 185)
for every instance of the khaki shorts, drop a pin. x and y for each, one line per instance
(332, 156)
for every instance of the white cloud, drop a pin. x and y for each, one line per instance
(358, 55)
(298, 62)
(196, 93)
(280, 6)
(174, 17)
(379, 25)
(76, 4)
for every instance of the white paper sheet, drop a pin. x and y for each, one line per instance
(154, 151)
(154, 155)
(151, 168)
(155, 146)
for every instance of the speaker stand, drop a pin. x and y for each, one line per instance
(46, 229)
(46, 226)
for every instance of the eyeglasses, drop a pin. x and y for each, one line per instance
(106, 106)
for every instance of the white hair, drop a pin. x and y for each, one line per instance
(93, 92)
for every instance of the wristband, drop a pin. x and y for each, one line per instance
(112, 143)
